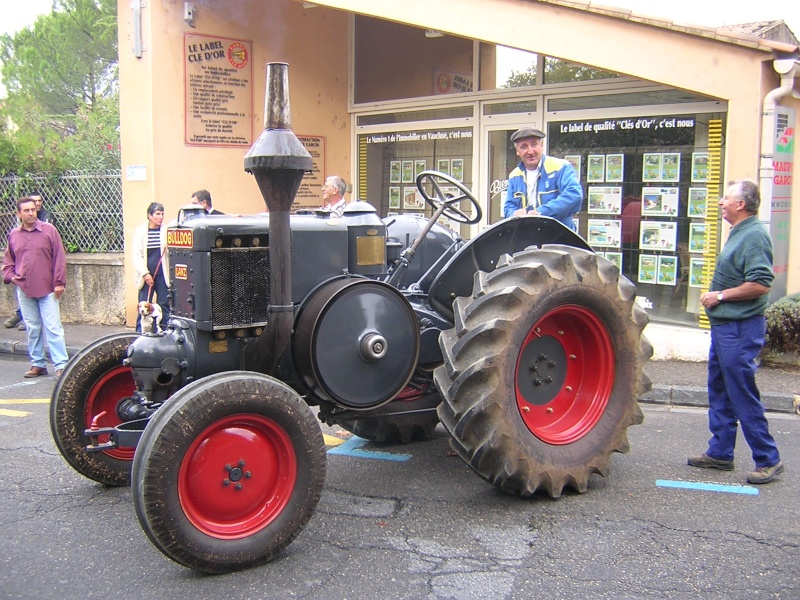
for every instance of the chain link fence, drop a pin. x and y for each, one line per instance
(86, 207)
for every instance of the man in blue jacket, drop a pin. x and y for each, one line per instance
(540, 184)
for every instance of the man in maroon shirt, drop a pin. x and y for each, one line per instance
(35, 262)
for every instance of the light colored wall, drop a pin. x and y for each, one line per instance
(313, 41)
(93, 294)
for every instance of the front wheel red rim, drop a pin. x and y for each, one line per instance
(565, 374)
(237, 476)
(103, 397)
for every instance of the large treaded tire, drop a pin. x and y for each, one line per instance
(543, 370)
(228, 472)
(93, 382)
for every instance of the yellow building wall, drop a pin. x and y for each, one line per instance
(313, 41)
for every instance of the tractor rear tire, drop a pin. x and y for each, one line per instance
(543, 370)
(93, 383)
(228, 472)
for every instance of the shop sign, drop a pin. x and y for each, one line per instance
(451, 82)
(309, 195)
(783, 173)
(627, 124)
(428, 135)
(218, 92)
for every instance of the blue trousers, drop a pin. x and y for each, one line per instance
(43, 321)
(732, 392)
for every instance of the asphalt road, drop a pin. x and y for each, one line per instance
(421, 526)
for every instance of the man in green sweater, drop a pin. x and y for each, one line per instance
(735, 308)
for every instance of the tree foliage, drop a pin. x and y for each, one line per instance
(61, 76)
(556, 71)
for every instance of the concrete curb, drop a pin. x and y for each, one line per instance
(21, 348)
(684, 395)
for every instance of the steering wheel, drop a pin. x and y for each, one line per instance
(450, 203)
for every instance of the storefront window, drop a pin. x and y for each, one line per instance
(646, 196)
(389, 163)
(395, 62)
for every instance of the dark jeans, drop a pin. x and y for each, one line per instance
(732, 391)
(158, 293)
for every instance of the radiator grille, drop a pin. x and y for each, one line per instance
(240, 287)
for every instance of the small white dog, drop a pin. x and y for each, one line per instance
(151, 316)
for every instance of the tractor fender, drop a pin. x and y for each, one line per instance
(482, 252)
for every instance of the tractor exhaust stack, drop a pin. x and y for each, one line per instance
(278, 161)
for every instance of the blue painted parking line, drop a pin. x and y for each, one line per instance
(352, 447)
(708, 487)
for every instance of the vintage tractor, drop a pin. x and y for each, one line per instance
(522, 342)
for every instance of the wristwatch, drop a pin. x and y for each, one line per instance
(720, 297)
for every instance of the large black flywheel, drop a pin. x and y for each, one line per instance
(356, 343)
(543, 370)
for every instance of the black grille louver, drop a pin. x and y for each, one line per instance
(240, 287)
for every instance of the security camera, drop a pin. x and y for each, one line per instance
(188, 13)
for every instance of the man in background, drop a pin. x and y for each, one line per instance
(203, 198)
(735, 308)
(333, 195)
(35, 262)
(44, 216)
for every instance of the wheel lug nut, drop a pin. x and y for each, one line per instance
(228, 468)
(248, 474)
(226, 482)
(550, 411)
(241, 462)
(238, 487)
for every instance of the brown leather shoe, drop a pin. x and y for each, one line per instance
(36, 371)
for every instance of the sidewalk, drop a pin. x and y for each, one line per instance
(678, 369)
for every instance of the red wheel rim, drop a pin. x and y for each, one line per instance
(237, 476)
(565, 374)
(104, 395)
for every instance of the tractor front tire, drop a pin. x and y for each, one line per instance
(93, 383)
(228, 472)
(543, 370)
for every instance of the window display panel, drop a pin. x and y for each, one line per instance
(644, 197)
(390, 162)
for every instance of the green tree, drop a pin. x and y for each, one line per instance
(61, 77)
(556, 71)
